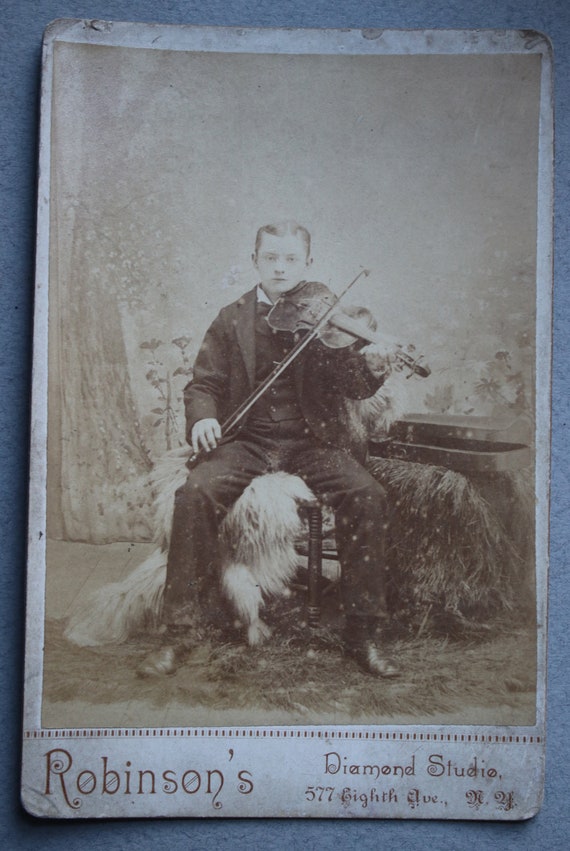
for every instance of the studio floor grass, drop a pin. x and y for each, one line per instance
(442, 681)
(486, 677)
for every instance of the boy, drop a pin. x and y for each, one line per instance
(299, 426)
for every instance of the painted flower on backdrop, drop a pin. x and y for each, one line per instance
(497, 386)
(161, 376)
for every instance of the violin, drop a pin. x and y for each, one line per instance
(312, 307)
(304, 306)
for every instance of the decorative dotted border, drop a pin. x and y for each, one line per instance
(255, 733)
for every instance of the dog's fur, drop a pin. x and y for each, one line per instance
(257, 539)
(258, 560)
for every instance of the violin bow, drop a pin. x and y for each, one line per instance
(240, 412)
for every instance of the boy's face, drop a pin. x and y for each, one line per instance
(282, 263)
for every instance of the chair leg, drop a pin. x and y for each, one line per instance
(315, 561)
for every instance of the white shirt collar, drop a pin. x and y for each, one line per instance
(262, 296)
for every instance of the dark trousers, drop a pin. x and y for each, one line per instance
(358, 500)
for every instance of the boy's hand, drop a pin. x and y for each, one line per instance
(205, 435)
(379, 359)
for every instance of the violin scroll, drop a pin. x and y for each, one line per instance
(414, 365)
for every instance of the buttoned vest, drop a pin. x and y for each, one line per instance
(280, 401)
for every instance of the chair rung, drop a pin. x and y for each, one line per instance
(303, 550)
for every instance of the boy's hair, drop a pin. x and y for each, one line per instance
(282, 229)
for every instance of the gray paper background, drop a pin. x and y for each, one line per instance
(22, 27)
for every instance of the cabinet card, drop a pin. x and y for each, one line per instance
(340, 610)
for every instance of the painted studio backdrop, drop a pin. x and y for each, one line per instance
(421, 168)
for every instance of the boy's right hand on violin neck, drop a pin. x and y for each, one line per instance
(205, 435)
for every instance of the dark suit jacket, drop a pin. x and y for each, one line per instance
(224, 375)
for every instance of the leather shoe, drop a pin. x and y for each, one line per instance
(163, 662)
(367, 655)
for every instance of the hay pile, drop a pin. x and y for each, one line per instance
(455, 559)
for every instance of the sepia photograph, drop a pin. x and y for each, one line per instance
(291, 376)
